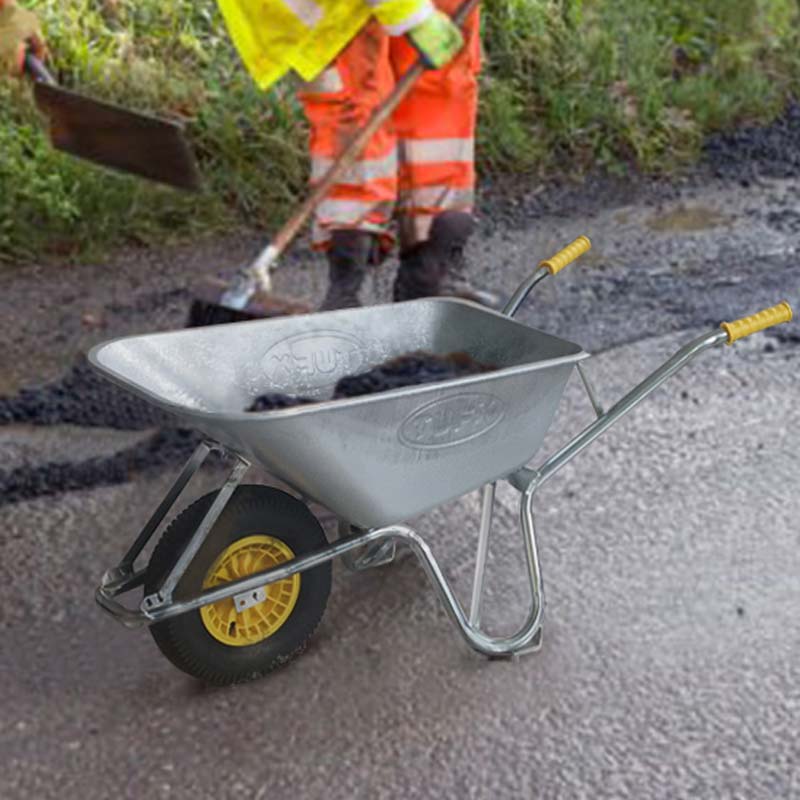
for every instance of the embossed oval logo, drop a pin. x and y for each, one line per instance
(313, 360)
(451, 420)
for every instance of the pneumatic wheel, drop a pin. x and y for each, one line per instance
(259, 528)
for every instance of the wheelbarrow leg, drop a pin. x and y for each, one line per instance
(534, 569)
(487, 512)
(528, 637)
(535, 574)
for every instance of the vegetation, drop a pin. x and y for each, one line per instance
(584, 83)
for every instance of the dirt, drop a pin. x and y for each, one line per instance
(669, 255)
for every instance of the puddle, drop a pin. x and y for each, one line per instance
(622, 217)
(688, 219)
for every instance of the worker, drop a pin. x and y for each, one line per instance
(418, 171)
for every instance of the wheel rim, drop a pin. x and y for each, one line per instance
(260, 621)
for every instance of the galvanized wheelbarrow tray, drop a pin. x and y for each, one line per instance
(240, 579)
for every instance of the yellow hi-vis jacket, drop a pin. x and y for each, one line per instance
(275, 36)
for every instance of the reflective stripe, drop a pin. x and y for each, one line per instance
(329, 81)
(409, 24)
(437, 197)
(437, 151)
(349, 212)
(396, 14)
(321, 234)
(364, 171)
(306, 10)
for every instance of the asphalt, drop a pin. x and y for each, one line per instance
(670, 547)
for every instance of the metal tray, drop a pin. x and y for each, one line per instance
(373, 460)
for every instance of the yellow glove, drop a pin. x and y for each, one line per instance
(438, 40)
(19, 32)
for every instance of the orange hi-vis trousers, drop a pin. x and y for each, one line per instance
(421, 162)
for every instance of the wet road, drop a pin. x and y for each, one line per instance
(670, 552)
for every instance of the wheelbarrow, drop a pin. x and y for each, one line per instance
(239, 580)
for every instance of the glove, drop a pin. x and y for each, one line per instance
(438, 40)
(19, 32)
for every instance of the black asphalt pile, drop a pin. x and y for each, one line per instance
(82, 397)
(411, 369)
(769, 151)
(274, 401)
(162, 449)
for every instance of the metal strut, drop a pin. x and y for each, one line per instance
(164, 594)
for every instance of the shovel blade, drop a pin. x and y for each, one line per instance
(115, 137)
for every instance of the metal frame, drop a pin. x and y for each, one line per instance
(160, 606)
(378, 545)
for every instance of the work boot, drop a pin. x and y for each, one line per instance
(437, 268)
(349, 254)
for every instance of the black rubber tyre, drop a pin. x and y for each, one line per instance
(252, 510)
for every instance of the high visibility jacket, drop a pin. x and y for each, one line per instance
(275, 36)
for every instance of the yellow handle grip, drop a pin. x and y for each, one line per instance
(757, 322)
(566, 256)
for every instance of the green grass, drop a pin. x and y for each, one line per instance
(569, 86)
(635, 83)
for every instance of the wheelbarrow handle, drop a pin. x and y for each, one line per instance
(768, 318)
(563, 258)
(550, 266)
(731, 332)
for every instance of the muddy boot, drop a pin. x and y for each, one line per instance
(349, 254)
(437, 268)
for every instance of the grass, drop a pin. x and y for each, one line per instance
(569, 86)
(637, 83)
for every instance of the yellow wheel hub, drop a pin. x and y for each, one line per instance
(256, 623)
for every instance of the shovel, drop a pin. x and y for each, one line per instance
(114, 137)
